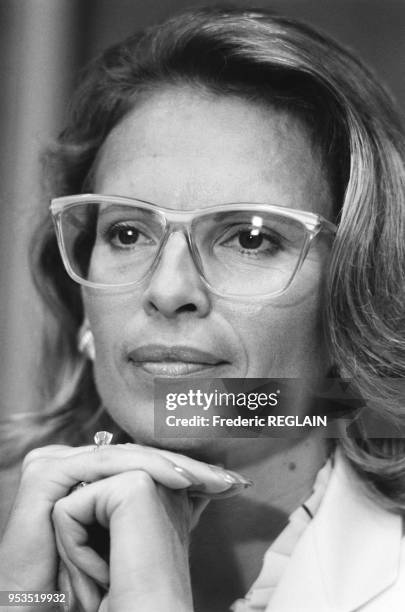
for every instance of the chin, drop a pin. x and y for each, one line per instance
(203, 449)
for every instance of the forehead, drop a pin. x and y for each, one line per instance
(185, 149)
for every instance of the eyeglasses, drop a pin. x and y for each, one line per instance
(238, 249)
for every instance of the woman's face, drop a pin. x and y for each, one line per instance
(184, 149)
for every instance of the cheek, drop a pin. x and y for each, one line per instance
(285, 338)
(107, 374)
(108, 316)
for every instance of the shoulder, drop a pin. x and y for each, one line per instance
(364, 545)
(351, 557)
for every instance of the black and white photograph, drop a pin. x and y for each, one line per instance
(202, 306)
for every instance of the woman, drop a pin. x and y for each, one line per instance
(222, 149)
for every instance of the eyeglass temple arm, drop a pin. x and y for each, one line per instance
(328, 226)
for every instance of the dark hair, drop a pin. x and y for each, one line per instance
(288, 65)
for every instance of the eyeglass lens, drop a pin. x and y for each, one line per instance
(248, 252)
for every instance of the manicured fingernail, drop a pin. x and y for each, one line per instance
(187, 475)
(231, 478)
(232, 490)
(223, 474)
(242, 485)
(247, 482)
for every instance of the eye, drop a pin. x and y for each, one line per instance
(252, 241)
(125, 234)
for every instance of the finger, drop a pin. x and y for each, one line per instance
(84, 588)
(51, 476)
(206, 479)
(69, 517)
(80, 508)
(50, 449)
(211, 475)
(51, 473)
(64, 584)
(211, 479)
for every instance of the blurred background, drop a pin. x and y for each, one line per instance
(43, 45)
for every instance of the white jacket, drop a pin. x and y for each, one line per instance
(350, 558)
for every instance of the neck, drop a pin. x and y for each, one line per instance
(233, 534)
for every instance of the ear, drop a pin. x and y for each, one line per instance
(85, 341)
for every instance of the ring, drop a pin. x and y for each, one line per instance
(102, 438)
(79, 485)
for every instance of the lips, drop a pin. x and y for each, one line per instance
(162, 360)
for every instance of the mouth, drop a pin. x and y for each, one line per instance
(160, 360)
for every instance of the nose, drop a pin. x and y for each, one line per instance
(175, 286)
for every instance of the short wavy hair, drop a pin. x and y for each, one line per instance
(262, 57)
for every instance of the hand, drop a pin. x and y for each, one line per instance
(149, 528)
(28, 554)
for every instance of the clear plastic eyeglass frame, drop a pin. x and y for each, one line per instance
(179, 220)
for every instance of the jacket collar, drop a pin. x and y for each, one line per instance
(349, 553)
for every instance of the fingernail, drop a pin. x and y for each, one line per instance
(223, 474)
(242, 485)
(187, 475)
(231, 478)
(234, 489)
(243, 480)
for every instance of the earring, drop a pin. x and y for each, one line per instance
(85, 341)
